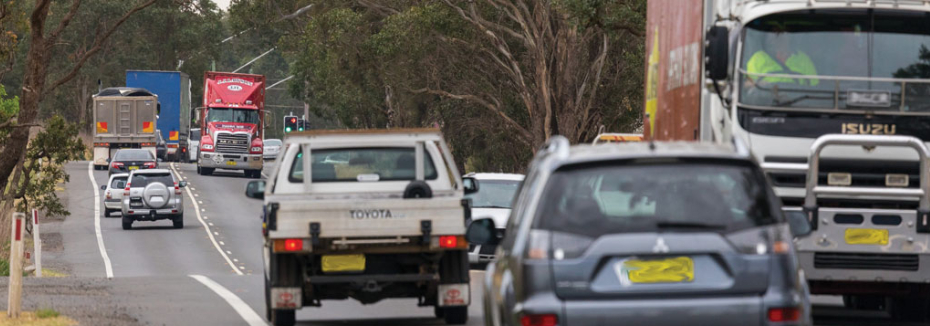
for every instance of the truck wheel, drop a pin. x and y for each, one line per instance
(127, 223)
(106, 212)
(909, 308)
(206, 171)
(178, 222)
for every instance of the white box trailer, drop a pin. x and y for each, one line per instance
(123, 118)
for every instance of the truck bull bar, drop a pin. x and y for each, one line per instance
(813, 190)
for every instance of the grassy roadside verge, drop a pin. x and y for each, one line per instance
(41, 317)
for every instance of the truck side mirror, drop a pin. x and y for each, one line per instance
(255, 189)
(797, 222)
(482, 232)
(716, 53)
(470, 185)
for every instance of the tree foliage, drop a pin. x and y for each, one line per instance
(498, 76)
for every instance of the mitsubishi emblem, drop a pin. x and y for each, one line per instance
(660, 246)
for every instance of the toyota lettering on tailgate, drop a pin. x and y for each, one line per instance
(365, 214)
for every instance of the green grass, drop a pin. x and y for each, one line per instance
(47, 313)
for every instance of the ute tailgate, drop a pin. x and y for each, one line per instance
(360, 218)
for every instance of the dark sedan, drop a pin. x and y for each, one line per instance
(127, 160)
(161, 147)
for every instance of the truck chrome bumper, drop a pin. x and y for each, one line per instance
(919, 274)
(231, 161)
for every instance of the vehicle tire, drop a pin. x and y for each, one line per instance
(286, 271)
(199, 171)
(127, 223)
(206, 171)
(909, 308)
(455, 315)
(453, 269)
(178, 222)
(106, 212)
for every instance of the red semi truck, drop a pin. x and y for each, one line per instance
(231, 121)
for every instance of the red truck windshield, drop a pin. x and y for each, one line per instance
(232, 115)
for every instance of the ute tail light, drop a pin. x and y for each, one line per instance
(117, 165)
(288, 245)
(539, 320)
(148, 165)
(539, 245)
(784, 314)
(126, 191)
(108, 195)
(177, 189)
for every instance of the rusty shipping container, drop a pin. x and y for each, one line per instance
(674, 31)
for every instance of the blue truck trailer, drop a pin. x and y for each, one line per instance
(174, 96)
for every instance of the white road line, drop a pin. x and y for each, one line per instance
(207, 227)
(246, 312)
(103, 250)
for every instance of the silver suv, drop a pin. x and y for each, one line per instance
(646, 233)
(153, 195)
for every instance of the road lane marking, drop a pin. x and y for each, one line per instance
(103, 250)
(243, 309)
(197, 210)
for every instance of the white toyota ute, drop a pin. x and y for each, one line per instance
(367, 215)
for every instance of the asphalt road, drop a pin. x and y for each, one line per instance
(210, 273)
(158, 272)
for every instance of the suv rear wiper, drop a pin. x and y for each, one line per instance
(689, 225)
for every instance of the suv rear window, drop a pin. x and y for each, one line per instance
(604, 199)
(142, 180)
(346, 164)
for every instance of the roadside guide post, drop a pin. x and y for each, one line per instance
(37, 241)
(16, 266)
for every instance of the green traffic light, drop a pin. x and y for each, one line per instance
(288, 129)
(300, 129)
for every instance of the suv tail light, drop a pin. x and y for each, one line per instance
(117, 165)
(108, 195)
(784, 314)
(539, 320)
(177, 189)
(148, 165)
(126, 191)
(539, 245)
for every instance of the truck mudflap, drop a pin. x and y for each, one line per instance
(286, 298)
(865, 244)
(454, 295)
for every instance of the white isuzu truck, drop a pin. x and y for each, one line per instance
(368, 215)
(833, 97)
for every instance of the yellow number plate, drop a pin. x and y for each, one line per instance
(866, 236)
(133, 168)
(230, 163)
(343, 263)
(670, 270)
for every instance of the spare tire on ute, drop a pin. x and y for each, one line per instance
(155, 195)
(418, 189)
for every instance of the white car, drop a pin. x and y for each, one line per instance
(272, 148)
(193, 144)
(113, 193)
(493, 200)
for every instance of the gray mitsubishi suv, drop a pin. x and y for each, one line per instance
(644, 234)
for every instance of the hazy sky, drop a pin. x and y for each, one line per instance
(224, 4)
